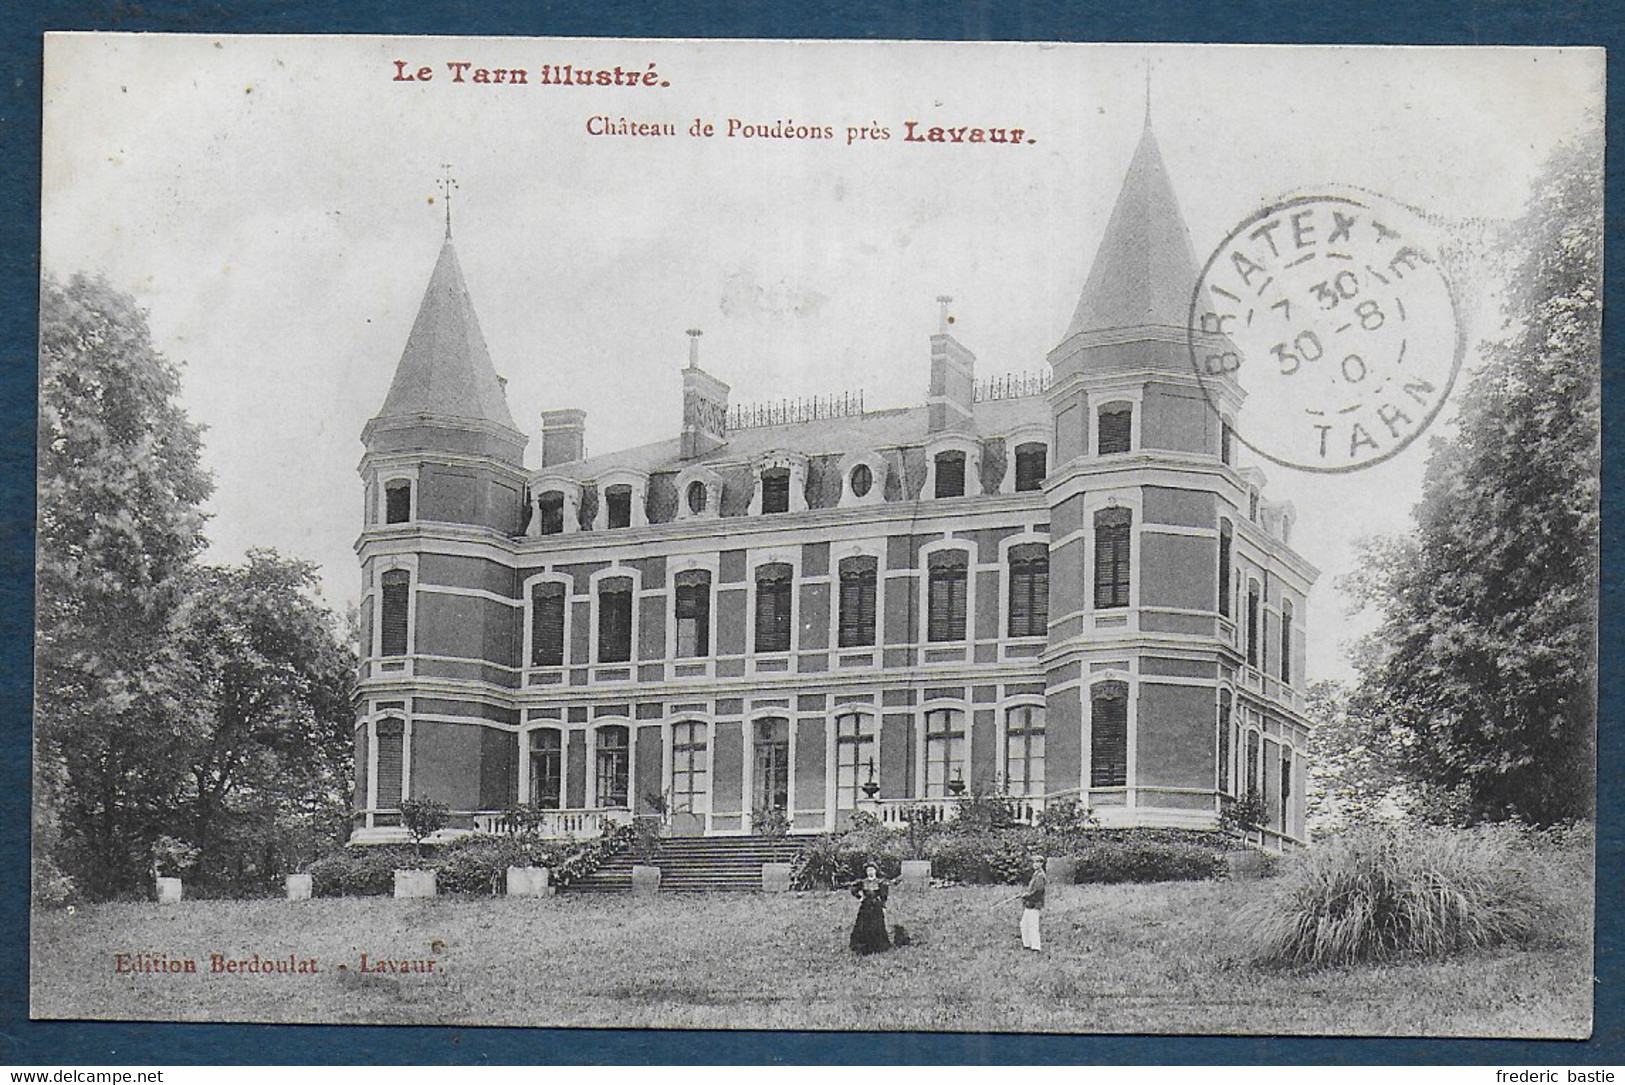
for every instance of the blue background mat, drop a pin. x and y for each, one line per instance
(1418, 22)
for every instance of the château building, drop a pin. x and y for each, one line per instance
(1061, 587)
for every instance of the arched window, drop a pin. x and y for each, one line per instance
(615, 620)
(547, 605)
(946, 590)
(1286, 641)
(1032, 465)
(857, 603)
(773, 607)
(398, 501)
(1112, 555)
(944, 751)
(776, 490)
(1252, 623)
(1222, 742)
(855, 745)
(1226, 541)
(693, 607)
(1029, 590)
(1024, 750)
(950, 474)
(1116, 430)
(1108, 735)
(391, 747)
(613, 764)
(550, 513)
(1286, 787)
(547, 768)
(618, 506)
(395, 587)
(1252, 762)
(770, 774)
(690, 768)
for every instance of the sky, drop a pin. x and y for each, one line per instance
(274, 203)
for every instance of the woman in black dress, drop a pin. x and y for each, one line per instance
(869, 932)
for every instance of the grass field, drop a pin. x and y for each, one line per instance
(1146, 958)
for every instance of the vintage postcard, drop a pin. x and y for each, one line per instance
(818, 535)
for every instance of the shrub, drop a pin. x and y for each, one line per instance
(1380, 895)
(770, 821)
(52, 888)
(984, 857)
(422, 819)
(1244, 814)
(827, 862)
(1066, 816)
(359, 872)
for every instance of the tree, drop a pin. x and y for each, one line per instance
(120, 490)
(1483, 678)
(1353, 776)
(269, 751)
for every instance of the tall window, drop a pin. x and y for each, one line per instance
(1223, 741)
(1031, 467)
(690, 768)
(1226, 541)
(391, 739)
(773, 587)
(395, 607)
(1252, 505)
(1286, 786)
(950, 474)
(945, 591)
(776, 490)
(1252, 762)
(615, 620)
(1286, 641)
(1024, 750)
(1112, 532)
(550, 510)
(613, 764)
(547, 769)
(397, 501)
(693, 604)
(1252, 623)
(1227, 443)
(1108, 735)
(771, 768)
(944, 751)
(1029, 590)
(547, 605)
(618, 506)
(1116, 431)
(854, 757)
(857, 602)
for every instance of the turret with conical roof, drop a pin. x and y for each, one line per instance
(445, 430)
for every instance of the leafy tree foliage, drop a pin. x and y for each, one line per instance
(1483, 679)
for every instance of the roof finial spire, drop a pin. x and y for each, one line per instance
(447, 183)
(1148, 94)
(694, 347)
(943, 319)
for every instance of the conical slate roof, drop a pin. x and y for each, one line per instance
(445, 369)
(1145, 268)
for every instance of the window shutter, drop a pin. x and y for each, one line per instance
(1286, 641)
(950, 474)
(1252, 625)
(1108, 742)
(1029, 591)
(1225, 536)
(1116, 430)
(397, 587)
(945, 603)
(776, 491)
(857, 616)
(397, 502)
(547, 625)
(1031, 467)
(1224, 742)
(390, 741)
(773, 608)
(1112, 559)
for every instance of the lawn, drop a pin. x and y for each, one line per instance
(1127, 958)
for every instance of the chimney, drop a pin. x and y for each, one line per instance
(705, 405)
(564, 436)
(953, 379)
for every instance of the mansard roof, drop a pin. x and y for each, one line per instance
(445, 370)
(1145, 268)
(850, 435)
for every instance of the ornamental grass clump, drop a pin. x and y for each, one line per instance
(1384, 895)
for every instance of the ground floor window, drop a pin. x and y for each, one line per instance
(1108, 735)
(547, 769)
(391, 742)
(771, 775)
(944, 751)
(613, 767)
(1024, 750)
(690, 769)
(854, 757)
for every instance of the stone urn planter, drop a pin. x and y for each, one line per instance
(528, 881)
(645, 880)
(169, 890)
(775, 877)
(916, 875)
(414, 883)
(298, 886)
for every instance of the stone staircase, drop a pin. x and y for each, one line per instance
(696, 864)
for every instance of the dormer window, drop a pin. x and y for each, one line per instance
(864, 478)
(861, 480)
(618, 506)
(398, 501)
(950, 474)
(1032, 465)
(695, 497)
(776, 490)
(550, 513)
(1116, 430)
